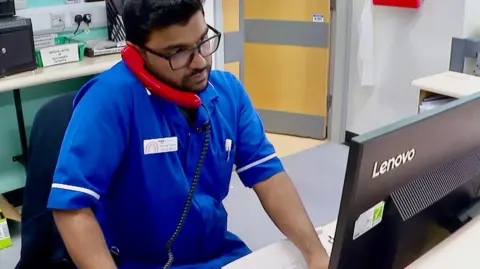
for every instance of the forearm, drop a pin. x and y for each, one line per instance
(84, 239)
(282, 203)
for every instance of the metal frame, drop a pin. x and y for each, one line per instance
(464, 48)
(218, 24)
(21, 128)
(341, 14)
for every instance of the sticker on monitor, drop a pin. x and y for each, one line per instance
(368, 220)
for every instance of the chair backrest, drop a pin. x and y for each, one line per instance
(41, 242)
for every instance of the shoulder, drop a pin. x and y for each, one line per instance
(116, 86)
(227, 85)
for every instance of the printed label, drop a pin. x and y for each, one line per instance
(4, 233)
(368, 220)
(160, 145)
(317, 18)
(59, 54)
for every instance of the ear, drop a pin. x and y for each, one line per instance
(133, 45)
(142, 52)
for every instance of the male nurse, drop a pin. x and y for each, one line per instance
(113, 191)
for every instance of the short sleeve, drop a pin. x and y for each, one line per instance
(255, 159)
(92, 148)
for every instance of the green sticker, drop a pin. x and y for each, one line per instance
(378, 212)
(368, 220)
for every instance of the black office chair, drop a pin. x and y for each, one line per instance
(42, 246)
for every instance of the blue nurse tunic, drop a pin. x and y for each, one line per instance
(131, 156)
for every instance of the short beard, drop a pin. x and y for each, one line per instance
(183, 86)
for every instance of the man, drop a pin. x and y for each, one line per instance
(112, 191)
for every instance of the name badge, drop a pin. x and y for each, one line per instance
(160, 145)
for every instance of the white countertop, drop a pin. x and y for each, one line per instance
(89, 66)
(459, 250)
(449, 83)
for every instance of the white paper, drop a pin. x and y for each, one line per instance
(44, 41)
(366, 46)
(327, 237)
(283, 254)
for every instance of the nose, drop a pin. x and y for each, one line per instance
(198, 61)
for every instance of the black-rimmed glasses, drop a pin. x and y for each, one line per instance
(184, 57)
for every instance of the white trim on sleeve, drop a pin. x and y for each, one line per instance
(77, 189)
(255, 163)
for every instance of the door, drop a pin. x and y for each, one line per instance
(279, 49)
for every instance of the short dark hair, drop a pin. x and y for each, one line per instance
(141, 17)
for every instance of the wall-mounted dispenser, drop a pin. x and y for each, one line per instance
(398, 3)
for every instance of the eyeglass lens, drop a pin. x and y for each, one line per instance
(206, 48)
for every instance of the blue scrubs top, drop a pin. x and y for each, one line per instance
(130, 156)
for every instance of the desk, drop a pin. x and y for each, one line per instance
(450, 84)
(89, 66)
(459, 250)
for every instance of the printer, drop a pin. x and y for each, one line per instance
(17, 48)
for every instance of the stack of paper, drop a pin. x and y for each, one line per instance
(435, 101)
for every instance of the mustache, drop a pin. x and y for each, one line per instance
(199, 70)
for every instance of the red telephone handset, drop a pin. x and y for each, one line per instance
(134, 61)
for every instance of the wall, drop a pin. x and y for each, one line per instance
(408, 44)
(12, 175)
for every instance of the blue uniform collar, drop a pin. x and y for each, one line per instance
(208, 96)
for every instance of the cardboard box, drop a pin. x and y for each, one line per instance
(8, 210)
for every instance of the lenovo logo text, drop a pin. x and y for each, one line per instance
(392, 163)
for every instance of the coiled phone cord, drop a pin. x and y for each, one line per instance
(186, 208)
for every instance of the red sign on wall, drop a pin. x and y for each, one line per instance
(398, 3)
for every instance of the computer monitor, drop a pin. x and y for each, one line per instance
(405, 186)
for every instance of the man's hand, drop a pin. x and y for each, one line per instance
(280, 200)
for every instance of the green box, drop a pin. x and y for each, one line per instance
(5, 239)
(62, 40)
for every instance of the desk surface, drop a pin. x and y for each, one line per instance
(449, 83)
(89, 66)
(459, 250)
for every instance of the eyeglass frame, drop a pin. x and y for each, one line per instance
(196, 49)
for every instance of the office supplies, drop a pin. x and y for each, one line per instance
(17, 52)
(7, 8)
